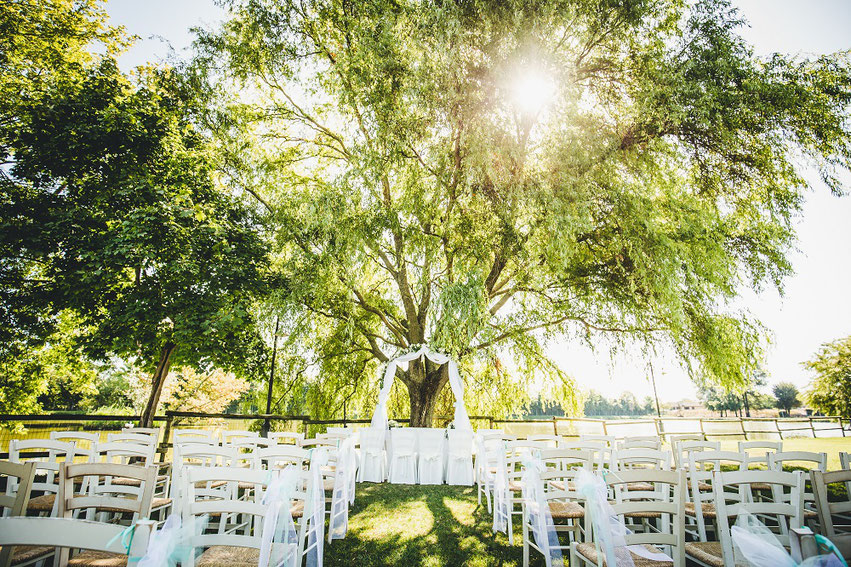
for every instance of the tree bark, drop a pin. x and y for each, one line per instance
(425, 382)
(157, 382)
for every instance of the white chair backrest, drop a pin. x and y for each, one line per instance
(195, 436)
(757, 451)
(135, 438)
(734, 492)
(831, 514)
(817, 461)
(204, 455)
(568, 459)
(340, 431)
(608, 440)
(287, 437)
(460, 443)
(100, 493)
(845, 460)
(48, 456)
(404, 441)
(277, 457)
(667, 499)
(640, 442)
(431, 443)
(552, 441)
(235, 435)
(14, 502)
(77, 534)
(119, 452)
(626, 459)
(683, 449)
(602, 453)
(83, 442)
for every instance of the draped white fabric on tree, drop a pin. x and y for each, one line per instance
(462, 420)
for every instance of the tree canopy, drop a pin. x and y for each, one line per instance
(786, 394)
(830, 390)
(110, 211)
(485, 176)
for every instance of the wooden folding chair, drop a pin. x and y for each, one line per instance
(14, 503)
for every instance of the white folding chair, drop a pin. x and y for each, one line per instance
(602, 454)
(186, 435)
(126, 453)
(403, 462)
(700, 506)
(459, 462)
(664, 501)
(83, 442)
(15, 504)
(431, 447)
(373, 459)
(48, 456)
(805, 459)
(833, 516)
(99, 496)
(734, 492)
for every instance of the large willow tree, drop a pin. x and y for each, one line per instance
(482, 176)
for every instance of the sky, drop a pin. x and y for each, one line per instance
(816, 304)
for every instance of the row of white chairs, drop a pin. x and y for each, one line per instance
(233, 499)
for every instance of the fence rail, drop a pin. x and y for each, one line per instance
(39, 426)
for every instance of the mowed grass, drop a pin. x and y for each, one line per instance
(401, 525)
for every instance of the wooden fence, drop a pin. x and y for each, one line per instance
(36, 426)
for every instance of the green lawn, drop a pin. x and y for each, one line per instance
(400, 525)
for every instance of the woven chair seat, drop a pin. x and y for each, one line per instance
(707, 552)
(704, 486)
(707, 509)
(231, 556)
(328, 484)
(98, 559)
(27, 553)
(122, 481)
(647, 515)
(566, 510)
(515, 486)
(297, 510)
(42, 503)
(589, 552)
(640, 486)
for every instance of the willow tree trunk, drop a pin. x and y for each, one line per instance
(157, 382)
(425, 381)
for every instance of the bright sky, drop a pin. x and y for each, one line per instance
(817, 304)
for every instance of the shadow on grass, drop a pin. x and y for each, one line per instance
(400, 525)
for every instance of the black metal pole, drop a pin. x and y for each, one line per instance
(271, 376)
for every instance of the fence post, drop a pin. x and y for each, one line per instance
(555, 426)
(702, 432)
(841, 427)
(742, 424)
(779, 431)
(605, 429)
(660, 428)
(813, 427)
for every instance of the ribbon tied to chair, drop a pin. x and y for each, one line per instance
(755, 545)
(538, 510)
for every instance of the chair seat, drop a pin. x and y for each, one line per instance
(160, 502)
(122, 481)
(297, 510)
(707, 509)
(640, 486)
(704, 486)
(515, 486)
(707, 552)
(98, 559)
(589, 552)
(328, 484)
(232, 556)
(27, 553)
(647, 515)
(42, 503)
(566, 510)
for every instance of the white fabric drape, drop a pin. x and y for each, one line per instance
(344, 490)
(462, 420)
(538, 511)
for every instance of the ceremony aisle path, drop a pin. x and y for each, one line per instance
(434, 526)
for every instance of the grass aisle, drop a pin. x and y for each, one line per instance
(400, 525)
